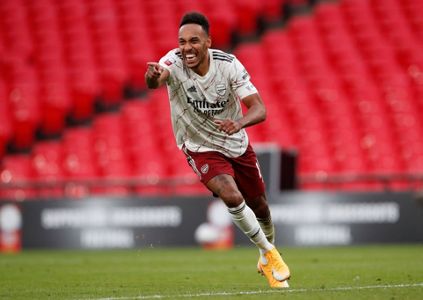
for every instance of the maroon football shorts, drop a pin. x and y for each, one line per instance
(244, 169)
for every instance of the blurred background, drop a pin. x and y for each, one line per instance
(342, 81)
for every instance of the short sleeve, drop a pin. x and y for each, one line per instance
(240, 80)
(167, 61)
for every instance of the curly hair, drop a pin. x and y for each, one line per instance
(196, 18)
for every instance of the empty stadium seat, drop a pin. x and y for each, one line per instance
(111, 154)
(345, 89)
(46, 160)
(79, 163)
(24, 104)
(273, 10)
(6, 129)
(247, 12)
(17, 171)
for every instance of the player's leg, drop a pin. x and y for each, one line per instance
(217, 174)
(225, 187)
(251, 185)
(271, 264)
(261, 210)
(265, 268)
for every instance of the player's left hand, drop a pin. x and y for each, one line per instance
(228, 126)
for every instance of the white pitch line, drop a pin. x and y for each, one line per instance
(260, 292)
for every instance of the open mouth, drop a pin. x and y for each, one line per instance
(190, 58)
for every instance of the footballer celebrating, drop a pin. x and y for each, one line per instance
(206, 88)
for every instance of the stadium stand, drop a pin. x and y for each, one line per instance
(342, 80)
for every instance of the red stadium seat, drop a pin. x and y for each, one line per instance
(46, 161)
(56, 105)
(345, 89)
(247, 12)
(184, 6)
(110, 153)
(6, 129)
(328, 17)
(79, 161)
(84, 87)
(273, 10)
(135, 37)
(16, 170)
(222, 34)
(24, 105)
(412, 10)
(15, 25)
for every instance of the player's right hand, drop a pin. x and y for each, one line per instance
(154, 70)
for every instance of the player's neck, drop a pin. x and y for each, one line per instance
(204, 66)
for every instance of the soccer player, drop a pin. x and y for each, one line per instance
(206, 88)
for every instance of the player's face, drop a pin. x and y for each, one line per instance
(194, 44)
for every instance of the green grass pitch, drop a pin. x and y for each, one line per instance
(362, 272)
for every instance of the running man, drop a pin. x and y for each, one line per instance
(206, 88)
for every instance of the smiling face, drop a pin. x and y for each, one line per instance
(194, 44)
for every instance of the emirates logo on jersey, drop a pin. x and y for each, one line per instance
(205, 168)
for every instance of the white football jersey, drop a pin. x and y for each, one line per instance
(196, 101)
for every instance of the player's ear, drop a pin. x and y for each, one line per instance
(209, 41)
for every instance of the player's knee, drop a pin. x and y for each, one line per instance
(232, 198)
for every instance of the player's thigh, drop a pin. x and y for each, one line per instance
(216, 173)
(248, 175)
(208, 165)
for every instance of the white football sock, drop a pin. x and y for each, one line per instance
(268, 228)
(246, 220)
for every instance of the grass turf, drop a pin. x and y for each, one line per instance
(362, 272)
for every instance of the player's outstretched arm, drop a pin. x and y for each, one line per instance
(256, 114)
(156, 75)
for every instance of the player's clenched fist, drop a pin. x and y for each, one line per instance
(153, 75)
(154, 70)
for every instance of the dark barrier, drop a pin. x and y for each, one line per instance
(301, 219)
(112, 223)
(311, 219)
